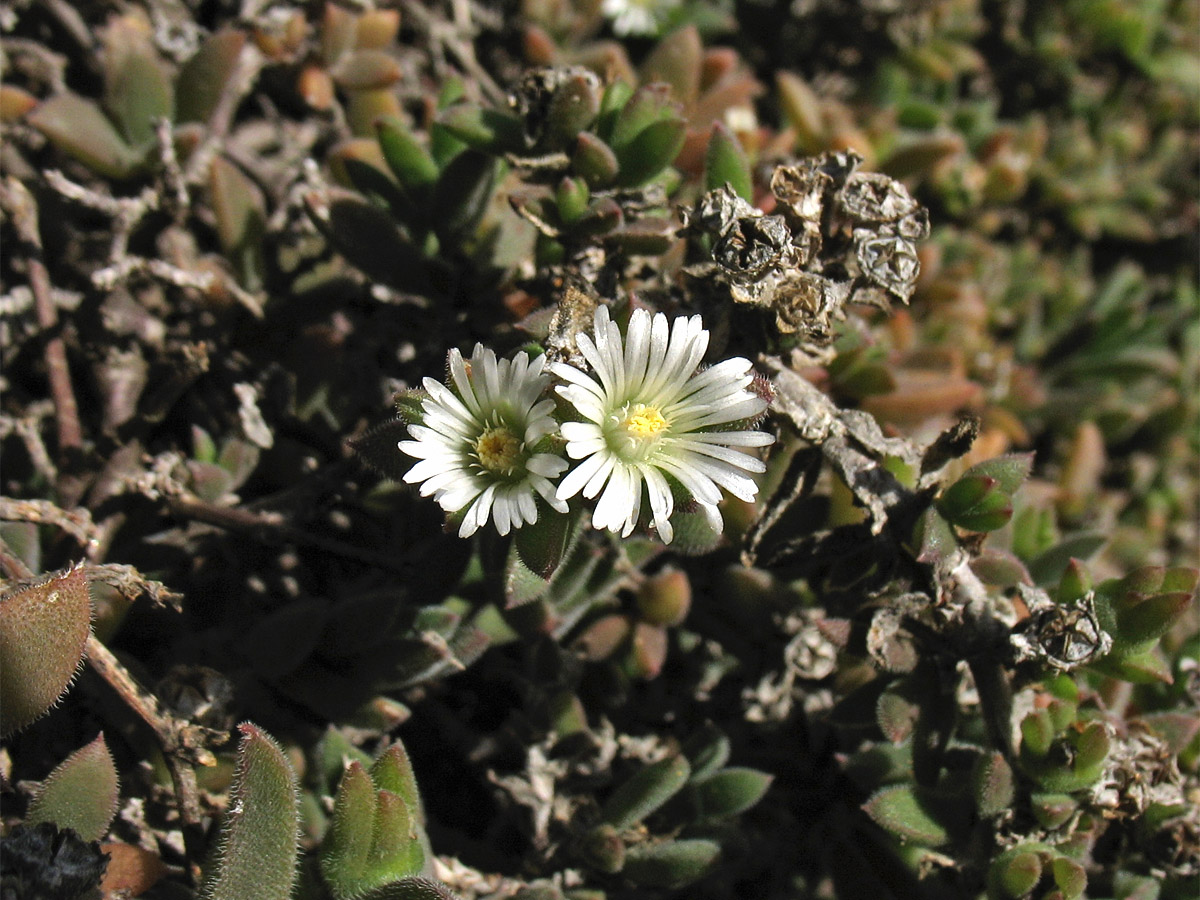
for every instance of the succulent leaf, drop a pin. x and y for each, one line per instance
(725, 163)
(80, 128)
(904, 810)
(673, 864)
(256, 855)
(44, 629)
(81, 793)
(645, 792)
(348, 841)
(728, 793)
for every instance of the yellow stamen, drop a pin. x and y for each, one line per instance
(498, 450)
(644, 422)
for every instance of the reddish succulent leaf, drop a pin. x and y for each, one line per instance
(131, 870)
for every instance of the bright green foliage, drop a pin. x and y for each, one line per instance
(375, 835)
(1136, 611)
(80, 794)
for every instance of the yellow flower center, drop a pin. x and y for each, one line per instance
(498, 450)
(644, 422)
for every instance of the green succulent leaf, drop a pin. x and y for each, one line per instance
(487, 130)
(411, 888)
(650, 151)
(594, 161)
(1016, 872)
(81, 793)
(543, 544)
(1037, 733)
(993, 784)
(393, 772)
(707, 751)
(408, 159)
(727, 793)
(677, 61)
(395, 846)
(241, 215)
(256, 854)
(347, 843)
(202, 79)
(1069, 876)
(725, 163)
(79, 127)
(904, 810)
(571, 198)
(139, 92)
(573, 108)
(1052, 809)
(645, 792)
(671, 865)
(44, 629)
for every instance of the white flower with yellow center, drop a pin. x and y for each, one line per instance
(478, 443)
(650, 415)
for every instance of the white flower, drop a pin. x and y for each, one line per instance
(650, 415)
(477, 443)
(636, 17)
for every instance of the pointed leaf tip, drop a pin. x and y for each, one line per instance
(81, 792)
(44, 628)
(256, 854)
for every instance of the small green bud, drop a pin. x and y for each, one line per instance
(594, 161)
(1070, 877)
(571, 198)
(1052, 810)
(1037, 733)
(1074, 584)
(665, 598)
(1015, 873)
(603, 850)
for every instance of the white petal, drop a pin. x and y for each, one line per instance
(547, 465)
(501, 515)
(725, 454)
(528, 507)
(596, 482)
(733, 438)
(458, 372)
(574, 480)
(698, 485)
(546, 489)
